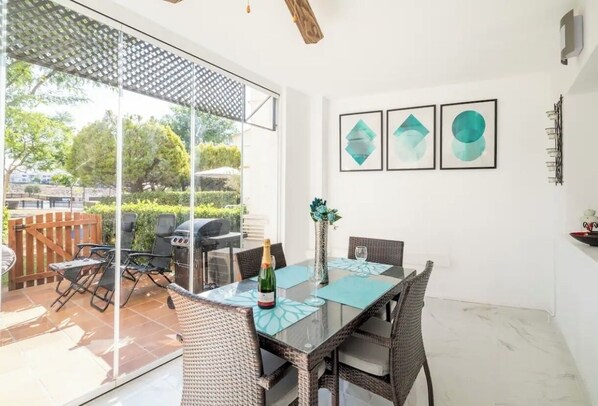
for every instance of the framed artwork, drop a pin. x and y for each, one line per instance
(411, 138)
(468, 135)
(361, 146)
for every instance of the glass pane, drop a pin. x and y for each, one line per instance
(218, 189)
(60, 165)
(260, 179)
(260, 109)
(156, 177)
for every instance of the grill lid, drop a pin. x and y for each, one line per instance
(204, 228)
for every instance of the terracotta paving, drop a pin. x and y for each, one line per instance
(58, 356)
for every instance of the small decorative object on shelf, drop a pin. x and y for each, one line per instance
(555, 133)
(322, 217)
(589, 222)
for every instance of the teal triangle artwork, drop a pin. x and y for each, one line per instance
(361, 144)
(412, 124)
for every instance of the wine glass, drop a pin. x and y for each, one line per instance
(314, 274)
(361, 254)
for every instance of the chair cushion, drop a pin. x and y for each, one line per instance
(285, 391)
(364, 355)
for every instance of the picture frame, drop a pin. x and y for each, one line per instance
(468, 135)
(411, 138)
(361, 145)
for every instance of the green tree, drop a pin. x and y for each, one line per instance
(210, 156)
(153, 155)
(35, 140)
(68, 180)
(31, 189)
(209, 128)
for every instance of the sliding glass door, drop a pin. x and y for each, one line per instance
(113, 139)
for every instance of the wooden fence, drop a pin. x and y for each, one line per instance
(45, 239)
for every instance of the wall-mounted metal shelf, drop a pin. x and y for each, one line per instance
(555, 133)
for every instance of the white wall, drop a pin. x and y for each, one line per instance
(297, 124)
(576, 265)
(577, 303)
(490, 232)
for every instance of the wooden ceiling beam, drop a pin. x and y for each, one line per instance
(306, 20)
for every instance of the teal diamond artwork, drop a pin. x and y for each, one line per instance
(468, 129)
(361, 142)
(272, 321)
(411, 143)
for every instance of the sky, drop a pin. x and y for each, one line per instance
(102, 99)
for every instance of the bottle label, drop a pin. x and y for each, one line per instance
(265, 298)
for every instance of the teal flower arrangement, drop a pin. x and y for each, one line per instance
(320, 212)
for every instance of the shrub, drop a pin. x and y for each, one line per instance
(147, 214)
(5, 217)
(217, 199)
(31, 189)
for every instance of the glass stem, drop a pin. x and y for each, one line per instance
(316, 290)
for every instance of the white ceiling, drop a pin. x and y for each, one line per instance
(372, 46)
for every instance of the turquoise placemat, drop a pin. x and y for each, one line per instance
(353, 265)
(272, 321)
(289, 276)
(354, 291)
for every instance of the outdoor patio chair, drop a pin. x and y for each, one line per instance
(250, 261)
(383, 252)
(68, 271)
(137, 264)
(384, 357)
(127, 236)
(222, 360)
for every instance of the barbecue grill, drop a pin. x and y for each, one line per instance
(209, 235)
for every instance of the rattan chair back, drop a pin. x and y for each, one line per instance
(221, 353)
(407, 353)
(381, 251)
(250, 261)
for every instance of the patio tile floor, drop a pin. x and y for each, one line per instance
(58, 356)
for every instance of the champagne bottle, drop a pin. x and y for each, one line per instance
(266, 281)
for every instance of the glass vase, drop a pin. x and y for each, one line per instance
(322, 249)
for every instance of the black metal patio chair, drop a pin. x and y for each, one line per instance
(70, 272)
(127, 236)
(152, 264)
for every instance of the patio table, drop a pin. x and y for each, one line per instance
(79, 273)
(310, 340)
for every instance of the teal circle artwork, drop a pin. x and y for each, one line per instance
(469, 151)
(408, 150)
(469, 126)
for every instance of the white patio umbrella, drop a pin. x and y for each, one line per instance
(222, 172)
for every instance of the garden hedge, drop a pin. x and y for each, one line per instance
(147, 213)
(5, 217)
(218, 199)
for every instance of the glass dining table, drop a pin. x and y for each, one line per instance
(309, 339)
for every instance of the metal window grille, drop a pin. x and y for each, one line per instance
(47, 34)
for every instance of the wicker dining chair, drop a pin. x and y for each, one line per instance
(383, 252)
(222, 360)
(250, 261)
(386, 357)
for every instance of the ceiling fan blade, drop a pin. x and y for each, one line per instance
(306, 20)
(173, 1)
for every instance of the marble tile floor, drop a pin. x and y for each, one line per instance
(479, 355)
(50, 357)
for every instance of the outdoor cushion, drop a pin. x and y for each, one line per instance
(365, 356)
(285, 391)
